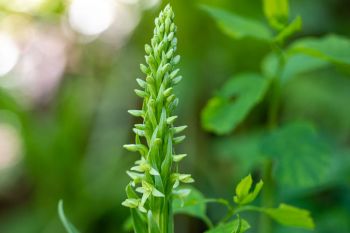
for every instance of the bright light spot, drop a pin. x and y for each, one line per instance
(91, 17)
(10, 146)
(150, 3)
(130, 1)
(127, 18)
(24, 5)
(41, 66)
(144, 3)
(9, 54)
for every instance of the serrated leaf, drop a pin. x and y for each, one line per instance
(66, 223)
(277, 12)
(193, 204)
(291, 216)
(332, 48)
(301, 157)
(237, 26)
(231, 227)
(233, 102)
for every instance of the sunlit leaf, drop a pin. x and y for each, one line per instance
(277, 12)
(237, 26)
(235, 226)
(243, 195)
(302, 158)
(66, 223)
(290, 216)
(233, 102)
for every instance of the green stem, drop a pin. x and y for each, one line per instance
(267, 197)
(268, 193)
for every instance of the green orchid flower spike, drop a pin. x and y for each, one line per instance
(155, 177)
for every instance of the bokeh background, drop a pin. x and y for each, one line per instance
(67, 74)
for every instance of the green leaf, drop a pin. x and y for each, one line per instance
(295, 64)
(244, 186)
(277, 12)
(289, 30)
(237, 26)
(290, 216)
(331, 48)
(235, 226)
(299, 64)
(242, 149)
(139, 222)
(243, 196)
(301, 156)
(233, 102)
(193, 204)
(152, 225)
(67, 225)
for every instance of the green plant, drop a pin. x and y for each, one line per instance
(153, 195)
(156, 175)
(279, 151)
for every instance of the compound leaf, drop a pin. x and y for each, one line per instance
(243, 196)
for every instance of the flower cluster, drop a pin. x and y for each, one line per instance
(155, 177)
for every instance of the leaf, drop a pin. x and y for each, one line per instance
(152, 225)
(295, 64)
(243, 196)
(277, 12)
(289, 30)
(66, 223)
(243, 187)
(193, 204)
(231, 227)
(242, 149)
(332, 48)
(300, 63)
(290, 216)
(301, 157)
(237, 26)
(139, 223)
(233, 102)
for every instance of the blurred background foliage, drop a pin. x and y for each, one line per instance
(67, 71)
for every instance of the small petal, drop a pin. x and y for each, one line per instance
(131, 203)
(157, 193)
